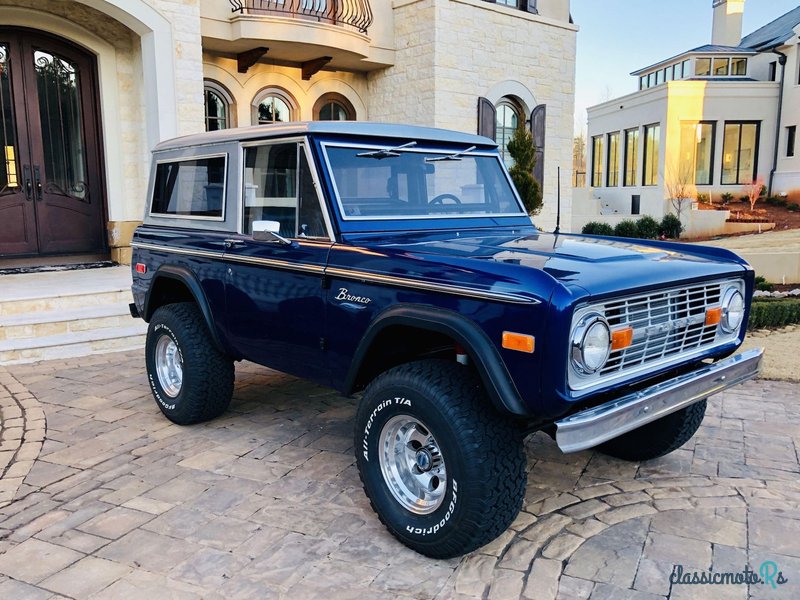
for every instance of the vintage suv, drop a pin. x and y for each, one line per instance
(398, 262)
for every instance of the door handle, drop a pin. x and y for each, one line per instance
(37, 178)
(27, 185)
(229, 244)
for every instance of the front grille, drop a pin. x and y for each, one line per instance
(668, 326)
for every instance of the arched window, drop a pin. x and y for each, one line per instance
(273, 106)
(334, 107)
(218, 103)
(509, 117)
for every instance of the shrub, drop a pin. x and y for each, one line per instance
(671, 227)
(704, 198)
(793, 207)
(596, 228)
(522, 150)
(763, 285)
(774, 312)
(776, 201)
(727, 197)
(647, 228)
(626, 228)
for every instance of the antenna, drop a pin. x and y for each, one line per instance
(558, 200)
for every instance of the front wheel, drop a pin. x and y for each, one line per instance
(444, 472)
(190, 379)
(659, 437)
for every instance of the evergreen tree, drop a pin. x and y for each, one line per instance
(522, 150)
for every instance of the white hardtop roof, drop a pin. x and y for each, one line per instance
(355, 128)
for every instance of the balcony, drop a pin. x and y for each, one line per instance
(309, 34)
(350, 13)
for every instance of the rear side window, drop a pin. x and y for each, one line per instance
(190, 188)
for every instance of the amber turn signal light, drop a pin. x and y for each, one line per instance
(713, 316)
(519, 342)
(621, 338)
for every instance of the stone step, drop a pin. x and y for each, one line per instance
(53, 322)
(64, 302)
(72, 344)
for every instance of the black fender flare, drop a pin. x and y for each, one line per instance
(485, 356)
(187, 278)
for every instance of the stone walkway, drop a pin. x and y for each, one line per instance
(265, 501)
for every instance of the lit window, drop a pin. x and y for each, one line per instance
(652, 138)
(697, 152)
(740, 153)
(597, 161)
(702, 67)
(612, 178)
(720, 67)
(631, 156)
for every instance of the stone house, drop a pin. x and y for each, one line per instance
(88, 87)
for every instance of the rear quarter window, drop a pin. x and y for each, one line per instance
(193, 188)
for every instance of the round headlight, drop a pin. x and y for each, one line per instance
(591, 344)
(732, 311)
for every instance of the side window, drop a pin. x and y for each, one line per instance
(274, 190)
(190, 188)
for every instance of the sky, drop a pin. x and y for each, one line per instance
(620, 36)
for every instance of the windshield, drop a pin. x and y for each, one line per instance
(379, 183)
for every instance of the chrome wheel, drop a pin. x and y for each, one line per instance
(169, 366)
(412, 465)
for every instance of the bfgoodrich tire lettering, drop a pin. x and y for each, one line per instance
(659, 437)
(190, 379)
(469, 456)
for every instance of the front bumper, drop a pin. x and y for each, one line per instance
(594, 426)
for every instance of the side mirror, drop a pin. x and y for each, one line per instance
(267, 231)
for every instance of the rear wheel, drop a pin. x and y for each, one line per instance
(659, 437)
(190, 379)
(444, 472)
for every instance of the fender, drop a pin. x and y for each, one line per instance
(186, 277)
(484, 354)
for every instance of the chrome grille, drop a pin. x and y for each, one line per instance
(664, 324)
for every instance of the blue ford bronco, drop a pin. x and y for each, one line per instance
(398, 263)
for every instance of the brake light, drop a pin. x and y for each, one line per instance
(141, 268)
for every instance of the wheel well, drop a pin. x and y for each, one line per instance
(399, 344)
(167, 290)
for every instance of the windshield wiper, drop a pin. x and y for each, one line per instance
(456, 156)
(386, 152)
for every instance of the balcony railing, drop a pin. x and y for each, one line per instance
(353, 13)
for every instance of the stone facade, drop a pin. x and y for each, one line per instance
(422, 62)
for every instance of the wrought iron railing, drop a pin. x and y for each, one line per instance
(353, 13)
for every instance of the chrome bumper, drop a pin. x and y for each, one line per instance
(594, 426)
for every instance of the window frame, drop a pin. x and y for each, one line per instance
(645, 129)
(340, 99)
(713, 152)
(209, 85)
(597, 174)
(626, 148)
(519, 111)
(183, 159)
(280, 93)
(791, 141)
(612, 173)
(303, 144)
(756, 151)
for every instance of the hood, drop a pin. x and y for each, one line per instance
(598, 265)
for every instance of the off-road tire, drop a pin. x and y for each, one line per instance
(483, 457)
(207, 382)
(659, 437)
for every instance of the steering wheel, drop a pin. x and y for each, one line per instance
(442, 197)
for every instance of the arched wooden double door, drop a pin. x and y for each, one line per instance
(51, 179)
